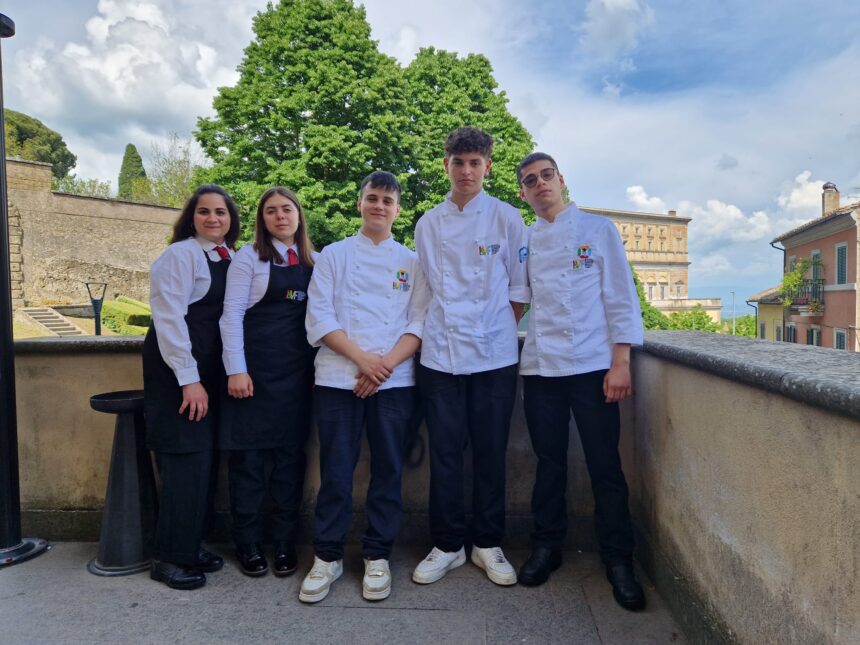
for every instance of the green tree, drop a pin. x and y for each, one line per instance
(652, 318)
(316, 108)
(131, 170)
(86, 187)
(169, 179)
(745, 326)
(30, 139)
(697, 318)
(444, 92)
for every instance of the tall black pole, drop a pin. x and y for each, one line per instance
(13, 548)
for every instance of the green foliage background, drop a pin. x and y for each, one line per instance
(30, 139)
(131, 171)
(318, 106)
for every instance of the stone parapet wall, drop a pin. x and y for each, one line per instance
(743, 459)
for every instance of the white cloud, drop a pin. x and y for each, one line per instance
(803, 197)
(718, 220)
(614, 27)
(714, 264)
(638, 196)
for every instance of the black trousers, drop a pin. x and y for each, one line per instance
(249, 483)
(548, 402)
(187, 487)
(341, 417)
(477, 408)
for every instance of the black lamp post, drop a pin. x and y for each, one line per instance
(96, 290)
(13, 548)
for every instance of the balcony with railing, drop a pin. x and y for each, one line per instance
(808, 298)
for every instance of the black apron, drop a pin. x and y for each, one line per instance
(280, 364)
(166, 429)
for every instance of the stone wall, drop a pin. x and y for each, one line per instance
(60, 241)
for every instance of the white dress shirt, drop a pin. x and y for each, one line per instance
(247, 283)
(178, 278)
(375, 293)
(474, 261)
(583, 297)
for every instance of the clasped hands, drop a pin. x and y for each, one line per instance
(373, 371)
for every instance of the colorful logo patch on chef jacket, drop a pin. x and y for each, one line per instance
(294, 294)
(583, 252)
(583, 264)
(401, 281)
(523, 253)
(488, 249)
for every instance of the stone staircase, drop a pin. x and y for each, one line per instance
(50, 320)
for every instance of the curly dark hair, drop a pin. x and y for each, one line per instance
(469, 139)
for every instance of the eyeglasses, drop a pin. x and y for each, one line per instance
(531, 180)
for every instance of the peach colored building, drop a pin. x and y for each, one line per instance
(826, 309)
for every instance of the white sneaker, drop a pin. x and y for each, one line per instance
(493, 561)
(376, 584)
(317, 583)
(437, 564)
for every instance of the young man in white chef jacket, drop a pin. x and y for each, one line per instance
(584, 317)
(472, 248)
(366, 305)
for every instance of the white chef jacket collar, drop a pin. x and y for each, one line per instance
(569, 211)
(363, 239)
(474, 204)
(205, 244)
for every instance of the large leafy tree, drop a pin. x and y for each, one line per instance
(696, 318)
(30, 139)
(316, 108)
(446, 91)
(131, 171)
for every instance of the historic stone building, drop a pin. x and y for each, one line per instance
(656, 245)
(58, 241)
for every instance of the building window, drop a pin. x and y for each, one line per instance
(792, 260)
(813, 336)
(841, 264)
(650, 292)
(662, 292)
(679, 247)
(778, 334)
(662, 245)
(762, 330)
(637, 244)
(839, 338)
(790, 334)
(677, 290)
(815, 256)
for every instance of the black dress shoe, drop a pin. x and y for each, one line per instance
(208, 561)
(252, 562)
(176, 576)
(626, 589)
(540, 564)
(286, 560)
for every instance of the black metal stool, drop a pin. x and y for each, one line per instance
(128, 523)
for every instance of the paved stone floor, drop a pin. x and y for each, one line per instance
(53, 599)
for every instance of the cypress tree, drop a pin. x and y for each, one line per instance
(131, 169)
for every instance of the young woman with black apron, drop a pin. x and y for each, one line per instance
(182, 377)
(266, 408)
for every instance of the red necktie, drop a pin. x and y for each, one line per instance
(292, 258)
(222, 253)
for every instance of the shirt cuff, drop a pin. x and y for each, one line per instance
(235, 363)
(520, 294)
(187, 375)
(415, 328)
(320, 331)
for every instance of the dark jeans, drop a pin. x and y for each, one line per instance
(548, 402)
(183, 510)
(248, 486)
(475, 407)
(341, 417)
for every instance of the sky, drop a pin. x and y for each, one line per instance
(733, 113)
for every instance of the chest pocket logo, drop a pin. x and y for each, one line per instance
(401, 281)
(583, 258)
(295, 295)
(488, 249)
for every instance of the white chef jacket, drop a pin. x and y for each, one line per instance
(583, 297)
(247, 283)
(178, 278)
(375, 293)
(474, 261)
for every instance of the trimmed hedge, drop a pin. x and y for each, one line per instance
(117, 314)
(132, 301)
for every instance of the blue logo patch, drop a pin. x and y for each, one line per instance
(523, 253)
